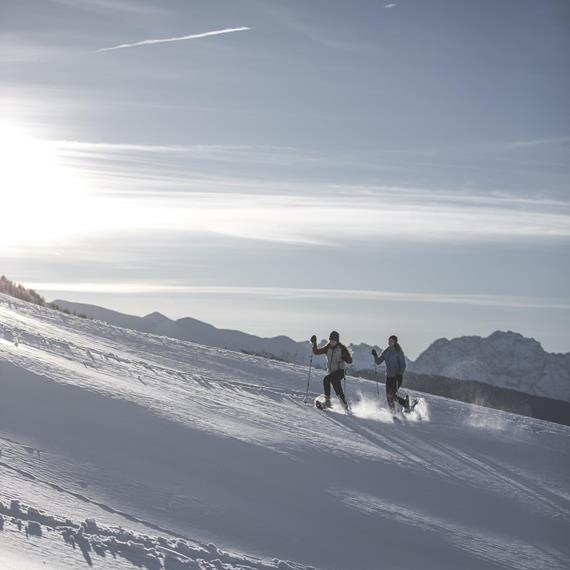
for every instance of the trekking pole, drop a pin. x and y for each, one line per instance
(376, 376)
(308, 380)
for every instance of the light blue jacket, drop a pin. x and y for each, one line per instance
(395, 361)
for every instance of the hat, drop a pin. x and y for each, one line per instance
(334, 336)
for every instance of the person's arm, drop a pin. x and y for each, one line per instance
(316, 350)
(345, 354)
(379, 359)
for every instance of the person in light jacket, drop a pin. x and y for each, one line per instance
(395, 361)
(338, 357)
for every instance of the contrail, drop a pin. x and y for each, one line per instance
(178, 39)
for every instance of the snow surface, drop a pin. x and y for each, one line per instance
(121, 449)
(503, 359)
(280, 347)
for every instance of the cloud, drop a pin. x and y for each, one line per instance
(548, 141)
(390, 5)
(288, 293)
(176, 39)
(15, 48)
(173, 188)
(241, 153)
(126, 8)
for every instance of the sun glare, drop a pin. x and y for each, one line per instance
(39, 195)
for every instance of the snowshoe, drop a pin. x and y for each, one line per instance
(410, 405)
(322, 403)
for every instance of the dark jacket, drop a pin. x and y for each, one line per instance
(395, 361)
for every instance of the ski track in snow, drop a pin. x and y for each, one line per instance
(509, 554)
(173, 440)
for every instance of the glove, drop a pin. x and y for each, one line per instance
(374, 353)
(314, 339)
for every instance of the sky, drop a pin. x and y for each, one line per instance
(292, 167)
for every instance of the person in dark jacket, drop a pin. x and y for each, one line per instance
(338, 357)
(395, 361)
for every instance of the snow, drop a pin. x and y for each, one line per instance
(123, 449)
(187, 328)
(503, 359)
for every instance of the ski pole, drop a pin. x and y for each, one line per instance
(308, 380)
(376, 376)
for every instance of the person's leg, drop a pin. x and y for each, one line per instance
(391, 387)
(404, 402)
(327, 387)
(336, 379)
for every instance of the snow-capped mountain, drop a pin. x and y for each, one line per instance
(280, 347)
(504, 359)
(121, 449)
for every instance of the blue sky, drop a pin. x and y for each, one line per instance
(367, 166)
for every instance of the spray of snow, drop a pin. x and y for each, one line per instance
(480, 418)
(421, 411)
(370, 409)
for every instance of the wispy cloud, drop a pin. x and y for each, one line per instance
(176, 39)
(390, 5)
(16, 48)
(243, 153)
(290, 293)
(548, 141)
(127, 8)
(134, 187)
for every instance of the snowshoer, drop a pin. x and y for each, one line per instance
(338, 357)
(395, 361)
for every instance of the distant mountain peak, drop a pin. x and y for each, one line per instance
(504, 358)
(496, 336)
(156, 316)
(507, 334)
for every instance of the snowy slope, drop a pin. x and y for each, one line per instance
(504, 359)
(187, 328)
(125, 450)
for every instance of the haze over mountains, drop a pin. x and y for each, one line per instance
(505, 371)
(503, 359)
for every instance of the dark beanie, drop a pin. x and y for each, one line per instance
(394, 338)
(334, 336)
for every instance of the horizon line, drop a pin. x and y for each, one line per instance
(292, 293)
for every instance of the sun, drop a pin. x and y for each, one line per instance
(39, 194)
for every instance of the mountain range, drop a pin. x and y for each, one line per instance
(505, 360)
